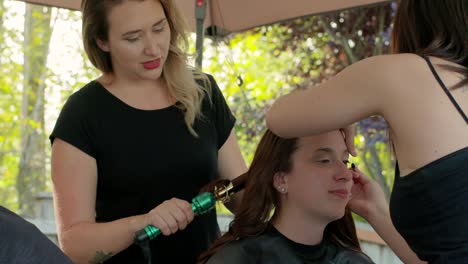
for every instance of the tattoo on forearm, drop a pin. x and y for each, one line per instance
(100, 257)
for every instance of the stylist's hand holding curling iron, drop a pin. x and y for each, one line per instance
(170, 216)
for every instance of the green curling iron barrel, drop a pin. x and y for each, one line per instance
(200, 205)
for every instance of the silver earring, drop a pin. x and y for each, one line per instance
(282, 190)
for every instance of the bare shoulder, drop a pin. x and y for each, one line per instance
(389, 65)
(394, 59)
(395, 71)
(382, 75)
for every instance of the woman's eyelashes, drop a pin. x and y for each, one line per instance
(331, 161)
(158, 30)
(136, 38)
(132, 39)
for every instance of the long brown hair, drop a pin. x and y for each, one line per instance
(180, 78)
(260, 198)
(433, 28)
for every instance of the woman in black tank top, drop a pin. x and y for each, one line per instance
(422, 92)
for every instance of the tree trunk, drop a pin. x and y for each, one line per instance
(31, 177)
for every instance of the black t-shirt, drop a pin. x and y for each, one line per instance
(145, 157)
(22, 243)
(272, 247)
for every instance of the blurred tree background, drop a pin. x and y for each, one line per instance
(43, 62)
(257, 66)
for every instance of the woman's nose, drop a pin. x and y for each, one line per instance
(343, 173)
(151, 46)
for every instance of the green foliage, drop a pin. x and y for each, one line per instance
(255, 67)
(251, 76)
(252, 68)
(24, 113)
(273, 60)
(10, 111)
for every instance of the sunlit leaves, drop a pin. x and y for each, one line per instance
(275, 59)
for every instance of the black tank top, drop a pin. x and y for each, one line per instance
(429, 207)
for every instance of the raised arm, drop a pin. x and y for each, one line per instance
(359, 91)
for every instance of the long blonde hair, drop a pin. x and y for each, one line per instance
(186, 84)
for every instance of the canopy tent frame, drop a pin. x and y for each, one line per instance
(216, 26)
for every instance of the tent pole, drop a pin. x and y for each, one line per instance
(200, 14)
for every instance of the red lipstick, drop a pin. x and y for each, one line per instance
(153, 64)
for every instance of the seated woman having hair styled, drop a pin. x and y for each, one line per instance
(294, 208)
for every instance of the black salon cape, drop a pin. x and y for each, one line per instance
(274, 248)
